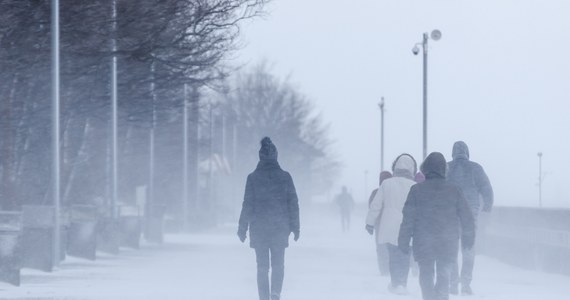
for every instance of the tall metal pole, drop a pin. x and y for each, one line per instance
(425, 51)
(365, 182)
(56, 128)
(221, 186)
(381, 105)
(198, 201)
(224, 151)
(150, 199)
(540, 179)
(196, 133)
(114, 119)
(211, 157)
(185, 161)
(234, 163)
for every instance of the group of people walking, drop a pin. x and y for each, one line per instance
(436, 210)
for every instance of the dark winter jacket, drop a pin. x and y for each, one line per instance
(470, 177)
(434, 215)
(270, 207)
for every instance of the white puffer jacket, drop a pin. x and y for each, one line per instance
(389, 201)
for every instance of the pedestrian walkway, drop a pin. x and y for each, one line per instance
(325, 264)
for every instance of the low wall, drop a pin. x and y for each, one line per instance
(530, 238)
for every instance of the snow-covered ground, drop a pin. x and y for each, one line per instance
(324, 265)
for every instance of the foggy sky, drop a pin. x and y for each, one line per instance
(499, 79)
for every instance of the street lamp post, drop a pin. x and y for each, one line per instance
(381, 106)
(114, 117)
(435, 35)
(185, 160)
(539, 179)
(56, 127)
(365, 182)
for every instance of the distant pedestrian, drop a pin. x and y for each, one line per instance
(387, 207)
(434, 213)
(345, 204)
(381, 249)
(271, 213)
(473, 181)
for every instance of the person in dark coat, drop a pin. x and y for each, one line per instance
(435, 214)
(472, 180)
(345, 204)
(270, 211)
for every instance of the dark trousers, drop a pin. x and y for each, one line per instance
(440, 289)
(275, 255)
(383, 260)
(399, 266)
(467, 261)
(345, 221)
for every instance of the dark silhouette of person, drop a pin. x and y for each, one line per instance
(345, 204)
(436, 214)
(270, 211)
(470, 177)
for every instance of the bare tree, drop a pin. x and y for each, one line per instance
(261, 104)
(185, 41)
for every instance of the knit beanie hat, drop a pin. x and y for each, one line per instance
(268, 151)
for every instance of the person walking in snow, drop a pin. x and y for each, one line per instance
(418, 178)
(345, 204)
(381, 249)
(270, 211)
(387, 207)
(435, 214)
(473, 181)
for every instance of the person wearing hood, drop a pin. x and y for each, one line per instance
(473, 181)
(270, 211)
(381, 249)
(386, 208)
(435, 215)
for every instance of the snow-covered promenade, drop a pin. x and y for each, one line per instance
(324, 265)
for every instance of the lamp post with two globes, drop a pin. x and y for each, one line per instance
(435, 35)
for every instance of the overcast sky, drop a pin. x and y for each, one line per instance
(499, 79)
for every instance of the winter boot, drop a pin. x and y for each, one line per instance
(401, 290)
(454, 289)
(466, 290)
(391, 288)
(398, 290)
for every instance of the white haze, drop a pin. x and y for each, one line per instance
(498, 79)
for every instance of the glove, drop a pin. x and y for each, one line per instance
(241, 235)
(370, 229)
(487, 208)
(296, 235)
